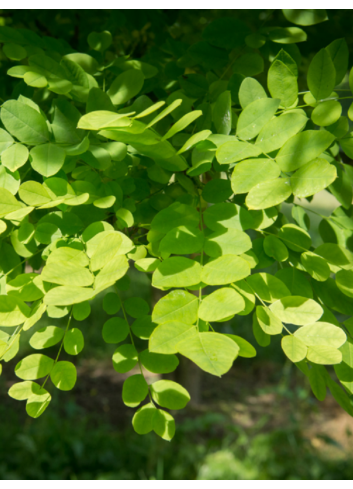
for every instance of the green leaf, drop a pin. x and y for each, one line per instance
(246, 349)
(115, 330)
(165, 112)
(252, 172)
(194, 140)
(66, 295)
(46, 337)
(288, 35)
(340, 396)
(99, 41)
(14, 51)
(297, 310)
(274, 247)
(64, 126)
(212, 352)
(261, 337)
(227, 216)
(233, 151)
(344, 281)
(249, 91)
(222, 113)
(182, 123)
(14, 157)
(37, 403)
(9, 180)
(332, 297)
(278, 130)
(178, 305)
(336, 256)
(326, 113)
(268, 322)
(13, 311)
(148, 418)
(21, 391)
(249, 64)
(324, 355)
(34, 367)
(255, 115)
(177, 272)
(169, 394)
(136, 307)
(158, 363)
(47, 159)
(106, 250)
(175, 215)
(339, 53)
(216, 191)
(321, 334)
(317, 382)
(316, 266)
(126, 64)
(268, 194)
(227, 241)
(114, 270)
(3, 227)
(101, 119)
(247, 294)
(321, 75)
(74, 341)
(267, 287)
(303, 148)
(282, 83)
(340, 127)
(166, 337)
(47, 233)
(125, 217)
(111, 303)
(8, 203)
(182, 240)
(33, 193)
(294, 348)
(295, 238)
(81, 311)
(68, 255)
(301, 217)
(221, 304)
(224, 270)
(125, 358)
(24, 122)
(62, 273)
(5, 140)
(64, 376)
(27, 287)
(146, 264)
(143, 327)
(135, 389)
(126, 86)
(312, 178)
(305, 16)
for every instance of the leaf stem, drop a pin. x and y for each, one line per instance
(61, 346)
(132, 339)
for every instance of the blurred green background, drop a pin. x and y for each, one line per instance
(259, 422)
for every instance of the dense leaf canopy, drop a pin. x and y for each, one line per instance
(194, 162)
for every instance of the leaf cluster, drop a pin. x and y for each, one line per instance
(180, 164)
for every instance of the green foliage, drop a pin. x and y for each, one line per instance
(109, 161)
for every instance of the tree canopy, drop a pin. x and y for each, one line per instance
(190, 154)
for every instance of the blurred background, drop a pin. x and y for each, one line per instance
(260, 421)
